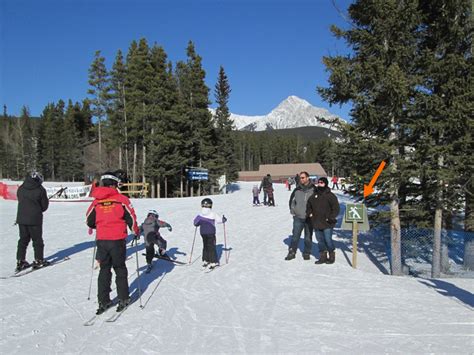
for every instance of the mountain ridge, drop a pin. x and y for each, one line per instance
(293, 112)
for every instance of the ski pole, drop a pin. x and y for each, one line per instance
(225, 247)
(138, 273)
(191, 254)
(92, 267)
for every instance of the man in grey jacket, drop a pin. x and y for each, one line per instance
(298, 200)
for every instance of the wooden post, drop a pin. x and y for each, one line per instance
(354, 245)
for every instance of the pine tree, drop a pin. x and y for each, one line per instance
(225, 155)
(195, 95)
(70, 157)
(100, 94)
(442, 119)
(378, 77)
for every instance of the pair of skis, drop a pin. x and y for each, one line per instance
(31, 269)
(110, 319)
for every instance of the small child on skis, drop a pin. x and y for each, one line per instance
(271, 200)
(207, 220)
(150, 229)
(255, 193)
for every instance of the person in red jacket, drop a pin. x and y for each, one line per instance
(110, 214)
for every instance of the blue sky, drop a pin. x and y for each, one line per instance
(270, 49)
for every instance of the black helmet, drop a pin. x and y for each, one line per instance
(109, 179)
(207, 202)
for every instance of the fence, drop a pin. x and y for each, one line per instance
(135, 189)
(417, 251)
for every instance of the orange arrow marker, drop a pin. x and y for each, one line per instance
(368, 189)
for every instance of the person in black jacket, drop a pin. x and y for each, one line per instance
(32, 202)
(323, 209)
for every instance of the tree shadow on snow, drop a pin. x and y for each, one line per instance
(448, 289)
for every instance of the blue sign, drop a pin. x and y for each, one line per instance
(198, 175)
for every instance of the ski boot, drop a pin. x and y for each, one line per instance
(205, 264)
(123, 304)
(306, 256)
(22, 265)
(213, 266)
(103, 306)
(39, 263)
(148, 268)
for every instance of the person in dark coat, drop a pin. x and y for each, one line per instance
(323, 209)
(32, 202)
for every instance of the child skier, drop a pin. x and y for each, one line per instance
(207, 222)
(255, 193)
(271, 199)
(150, 229)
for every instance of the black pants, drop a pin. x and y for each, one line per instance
(112, 253)
(150, 240)
(28, 233)
(209, 252)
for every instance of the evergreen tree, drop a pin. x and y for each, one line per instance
(100, 94)
(378, 77)
(71, 156)
(225, 155)
(195, 95)
(442, 118)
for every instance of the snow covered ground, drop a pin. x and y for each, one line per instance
(257, 303)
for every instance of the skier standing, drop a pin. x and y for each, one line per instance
(207, 220)
(150, 229)
(323, 209)
(32, 202)
(255, 193)
(109, 214)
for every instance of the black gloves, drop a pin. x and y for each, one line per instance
(224, 219)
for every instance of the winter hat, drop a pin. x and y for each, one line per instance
(324, 180)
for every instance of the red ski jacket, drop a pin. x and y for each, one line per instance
(110, 213)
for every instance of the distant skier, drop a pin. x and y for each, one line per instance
(207, 220)
(271, 198)
(264, 185)
(109, 214)
(32, 202)
(150, 229)
(255, 194)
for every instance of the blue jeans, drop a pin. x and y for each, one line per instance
(324, 238)
(298, 225)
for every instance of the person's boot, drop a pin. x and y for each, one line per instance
(306, 256)
(332, 257)
(103, 306)
(22, 265)
(123, 304)
(291, 255)
(39, 263)
(323, 257)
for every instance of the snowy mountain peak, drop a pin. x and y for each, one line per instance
(292, 112)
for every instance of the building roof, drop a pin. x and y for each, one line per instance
(278, 171)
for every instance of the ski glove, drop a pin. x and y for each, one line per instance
(169, 228)
(136, 237)
(224, 219)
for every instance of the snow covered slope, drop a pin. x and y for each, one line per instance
(257, 303)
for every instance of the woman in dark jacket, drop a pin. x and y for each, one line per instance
(323, 208)
(32, 202)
